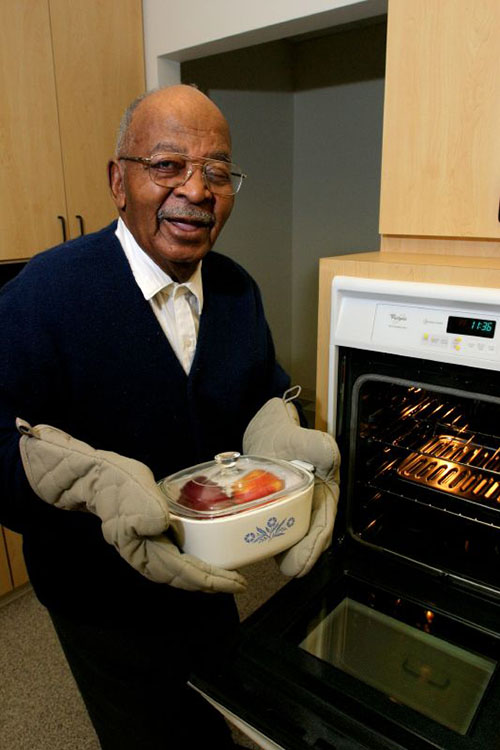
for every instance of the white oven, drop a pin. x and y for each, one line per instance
(393, 639)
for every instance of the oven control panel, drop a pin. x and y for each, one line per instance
(432, 321)
(440, 322)
(431, 329)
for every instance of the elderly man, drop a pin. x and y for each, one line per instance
(127, 355)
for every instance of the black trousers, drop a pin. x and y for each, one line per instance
(133, 682)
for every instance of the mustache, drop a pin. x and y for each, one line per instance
(191, 213)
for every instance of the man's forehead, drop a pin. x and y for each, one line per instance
(181, 132)
(183, 146)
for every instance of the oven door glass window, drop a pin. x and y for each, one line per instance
(424, 475)
(437, 678)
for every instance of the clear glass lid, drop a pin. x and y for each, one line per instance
(231, 484)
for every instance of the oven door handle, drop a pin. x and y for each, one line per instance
(422, 672)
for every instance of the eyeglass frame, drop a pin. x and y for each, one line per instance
(201, 162)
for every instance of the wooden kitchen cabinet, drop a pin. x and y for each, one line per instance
(5, 577)
(441, 145)
(68, 70)
(14, 545)
(31, 180)
(12, 569)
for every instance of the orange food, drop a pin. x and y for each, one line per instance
(255, 484)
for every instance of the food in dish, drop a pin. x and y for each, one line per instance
(202, 493)
(255, 484)
(199, 493)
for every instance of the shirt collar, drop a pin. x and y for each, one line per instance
(150, 278)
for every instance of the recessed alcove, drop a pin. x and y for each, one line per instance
(306, 118)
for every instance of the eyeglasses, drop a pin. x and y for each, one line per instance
(174, 170)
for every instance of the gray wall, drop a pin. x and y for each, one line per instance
(253, 88)
(339, 87)
(306, 118)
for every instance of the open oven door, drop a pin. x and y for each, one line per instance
(393, 639)
(337, 660)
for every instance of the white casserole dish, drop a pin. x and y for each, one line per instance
(239, 509)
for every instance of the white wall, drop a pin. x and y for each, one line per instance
(179, 31)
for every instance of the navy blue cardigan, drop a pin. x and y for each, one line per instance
(82, 350)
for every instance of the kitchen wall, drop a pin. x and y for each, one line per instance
(176, 32)
(306, 117)
(253, 87)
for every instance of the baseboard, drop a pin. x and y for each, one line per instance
(15, 594)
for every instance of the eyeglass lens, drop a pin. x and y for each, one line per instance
(172, 170)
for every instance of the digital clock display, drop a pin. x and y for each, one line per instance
(471, 327)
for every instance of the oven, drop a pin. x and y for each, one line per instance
(393, 639)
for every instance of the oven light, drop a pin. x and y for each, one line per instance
(429, 616)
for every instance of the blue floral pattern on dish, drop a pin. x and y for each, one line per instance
(273, 529)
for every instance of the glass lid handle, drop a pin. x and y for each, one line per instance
(227, 459)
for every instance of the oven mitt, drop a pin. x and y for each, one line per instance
(123, 493)
(275, 432)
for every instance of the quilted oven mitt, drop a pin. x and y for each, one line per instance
(123, 493)
(275, 432)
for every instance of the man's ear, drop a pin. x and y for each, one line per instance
(116, 184)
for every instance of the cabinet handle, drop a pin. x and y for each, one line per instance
(63, 227)
(80, 221)
(499, 210)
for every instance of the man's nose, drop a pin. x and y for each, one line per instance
(194, 188)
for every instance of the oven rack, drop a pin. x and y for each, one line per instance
(452, 450)
(402, 509)
(466, 504)
(446, 462)
(441, 538)
(414, 406)
(399, 429)
(411, 435)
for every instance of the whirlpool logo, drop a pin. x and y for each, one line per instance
(398, 318)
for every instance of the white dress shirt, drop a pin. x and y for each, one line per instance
(177, 306)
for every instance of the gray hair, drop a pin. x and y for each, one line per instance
(122, 135)
(123, 128)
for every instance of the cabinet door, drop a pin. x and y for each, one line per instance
(5, 579)
(99, 68)
(31, 179)
(441, 146)
(14, 546)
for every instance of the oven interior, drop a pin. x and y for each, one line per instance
(421, 486)
(423, 470)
